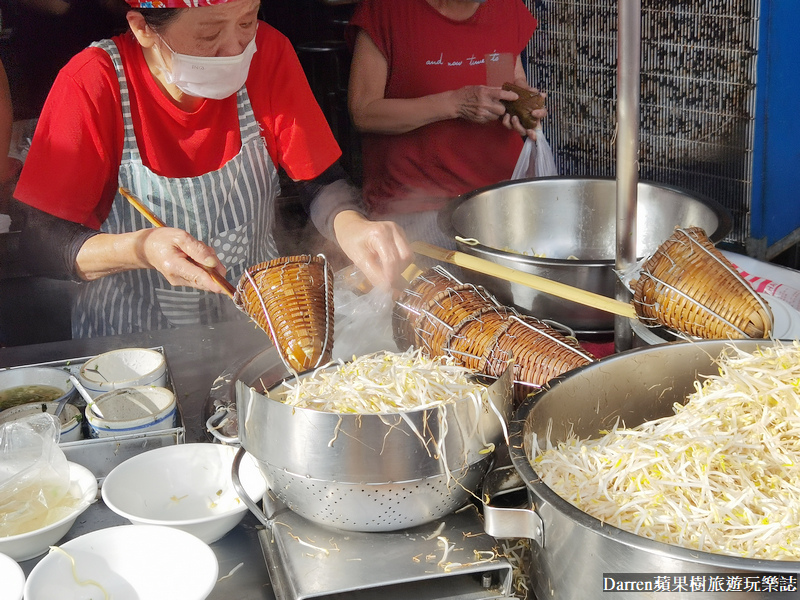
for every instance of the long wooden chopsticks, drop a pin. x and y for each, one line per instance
(156, 222)
(555, 288)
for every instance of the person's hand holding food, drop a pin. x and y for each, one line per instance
(525, 111)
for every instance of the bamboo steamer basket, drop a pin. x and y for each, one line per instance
(291, 299)
(689, 286)
(446, 317)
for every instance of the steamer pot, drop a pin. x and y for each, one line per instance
(572, 551)
(560, 217)
(366, 472)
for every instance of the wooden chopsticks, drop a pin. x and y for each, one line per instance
(156, 222)
(542, 284)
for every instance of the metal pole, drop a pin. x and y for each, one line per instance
(629, 37)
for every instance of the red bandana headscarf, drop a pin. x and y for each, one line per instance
(173, 3)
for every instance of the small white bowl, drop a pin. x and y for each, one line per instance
(16, 377)
(12, 578)
(131, 410)
(28, 545)
(130, 563)
(127, 367)
(70, 418)
(187, 486)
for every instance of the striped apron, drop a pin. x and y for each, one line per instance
(230, 209)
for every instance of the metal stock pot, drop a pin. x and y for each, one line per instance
(570, 225)
(369, 472)
(572, 551)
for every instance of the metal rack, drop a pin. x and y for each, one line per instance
(698, 94)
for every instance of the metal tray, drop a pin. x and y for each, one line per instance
(101, 455)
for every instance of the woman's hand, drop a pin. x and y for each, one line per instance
(181, 258)
(481, 104)
(378, 248)
(173, 252)
(512, 121)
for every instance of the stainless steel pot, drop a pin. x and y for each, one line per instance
(371, 472)
(561, 218)
(572, 551)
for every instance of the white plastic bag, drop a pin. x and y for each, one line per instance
(34, 474)
(536, 158)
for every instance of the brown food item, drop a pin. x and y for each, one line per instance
(291, 299)
(445, 317)
(689, 286)
(522, 106)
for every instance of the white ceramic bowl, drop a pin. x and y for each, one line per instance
(12, 579)
(29, 545)
(187, 486)
(28, 376)
(126, 367)
(70, 418)
(130, 563)
(131, 410)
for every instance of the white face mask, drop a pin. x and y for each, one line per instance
(215, 77)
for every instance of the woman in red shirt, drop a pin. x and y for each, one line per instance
(432, 127)
(193, 110)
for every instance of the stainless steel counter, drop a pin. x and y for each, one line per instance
(196, 356)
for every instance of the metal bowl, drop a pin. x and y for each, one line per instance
(570, 224)
(372, 472)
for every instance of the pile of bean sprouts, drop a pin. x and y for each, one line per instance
(384, 382)
(720, 475)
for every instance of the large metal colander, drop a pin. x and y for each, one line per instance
(372, 472)
(375, 507)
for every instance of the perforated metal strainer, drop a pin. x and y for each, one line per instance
(372, 472)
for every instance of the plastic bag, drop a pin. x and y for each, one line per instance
(34, 475)
(536, 158)
(362, 319)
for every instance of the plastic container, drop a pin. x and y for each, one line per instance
(131, 410)
(13, 578)
(123, 368)
(147, 562)
(24, 546)
(186, 486)
(18, 377)
(70, 417)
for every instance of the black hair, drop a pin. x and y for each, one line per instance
(158, 18)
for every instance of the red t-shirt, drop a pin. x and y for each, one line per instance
(428, 53)
(72, 167)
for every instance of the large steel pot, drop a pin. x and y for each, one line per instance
(370, 472)
(572, 551)
(560, 218)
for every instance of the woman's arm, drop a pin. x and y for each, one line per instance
(378, 248)
(172, 252)
(61, 249)
(373, 113)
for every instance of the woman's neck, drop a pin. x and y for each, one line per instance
(172, 92)
(458, 10)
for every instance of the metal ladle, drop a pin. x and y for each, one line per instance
(61, 404)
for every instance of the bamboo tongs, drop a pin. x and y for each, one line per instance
(555, 288)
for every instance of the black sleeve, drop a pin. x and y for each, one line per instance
(327, 195)
(49, 245)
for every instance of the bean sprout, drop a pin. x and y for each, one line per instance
(80, 582)
(720, 475)
(382, 383)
